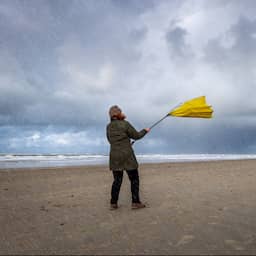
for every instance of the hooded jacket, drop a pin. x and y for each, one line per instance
(119, 133)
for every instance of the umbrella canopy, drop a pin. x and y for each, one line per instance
(196, 107)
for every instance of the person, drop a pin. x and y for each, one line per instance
(122, 157)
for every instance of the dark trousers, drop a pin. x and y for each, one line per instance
(118, 178)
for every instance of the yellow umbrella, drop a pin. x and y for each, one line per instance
(193, 108)
(197, 108)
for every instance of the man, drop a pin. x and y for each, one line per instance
(122, 157)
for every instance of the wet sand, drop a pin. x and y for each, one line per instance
(193, 208)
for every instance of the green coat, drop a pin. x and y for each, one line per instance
(122, 157)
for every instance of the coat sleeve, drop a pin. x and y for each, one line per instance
(133, 133)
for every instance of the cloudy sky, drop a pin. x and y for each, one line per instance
(63, 63)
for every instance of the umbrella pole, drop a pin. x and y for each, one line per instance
(156, 123)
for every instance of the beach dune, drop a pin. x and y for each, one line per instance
(193, 208)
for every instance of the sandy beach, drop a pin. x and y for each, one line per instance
(193, 208)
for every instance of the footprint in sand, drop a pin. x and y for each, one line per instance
(234, 244)
(185, 240)
(58, 205)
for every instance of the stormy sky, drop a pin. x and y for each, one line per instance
(63, 63)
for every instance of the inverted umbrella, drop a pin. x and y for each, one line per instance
(197, 108)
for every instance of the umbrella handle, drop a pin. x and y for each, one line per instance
(152, 126)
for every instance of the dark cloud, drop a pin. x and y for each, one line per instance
(175, 38)
(234, 55)
(134, 6)
(59, 65)
(190, 138)
(51, 139)
(64, 63)
(242, 49)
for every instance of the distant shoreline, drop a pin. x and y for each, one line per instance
(141, 165)
(21, 161)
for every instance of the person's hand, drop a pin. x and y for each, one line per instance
(147, 129)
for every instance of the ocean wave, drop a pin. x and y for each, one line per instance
(52, 160)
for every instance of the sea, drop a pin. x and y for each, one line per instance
(10, 161)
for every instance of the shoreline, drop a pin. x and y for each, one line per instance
(54, 161)
(82, 166)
